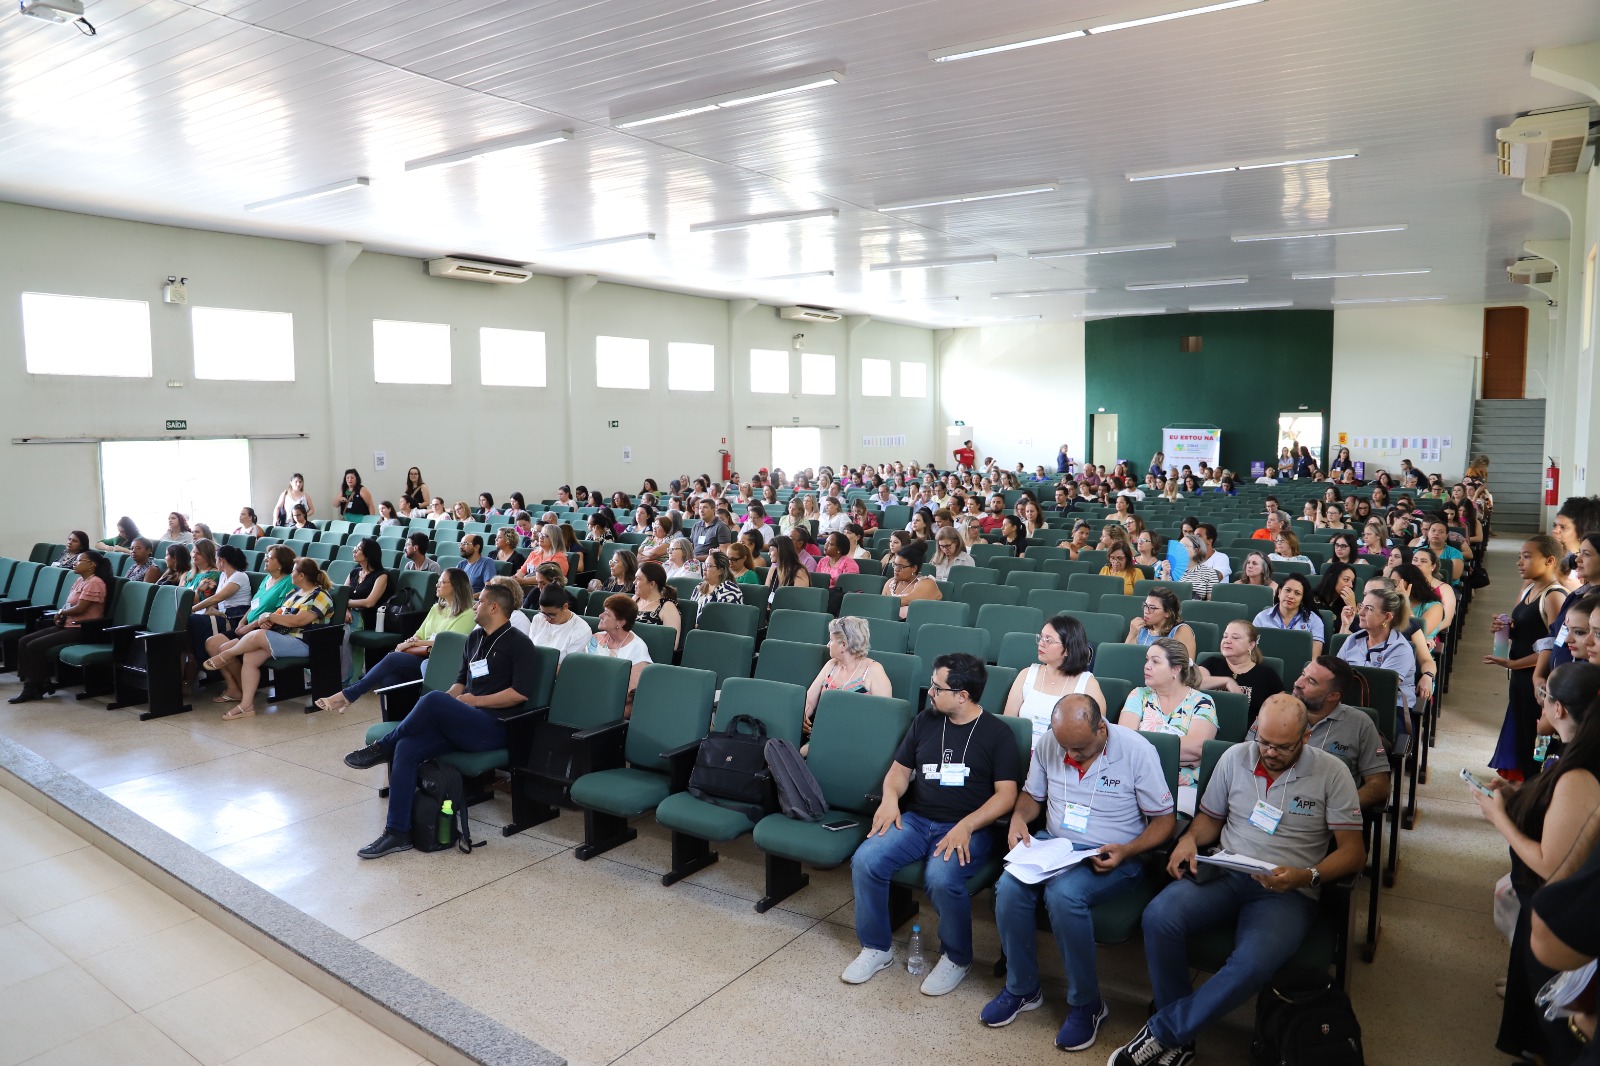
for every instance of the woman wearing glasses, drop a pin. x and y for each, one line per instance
(1379, 640)
(1161, 618)
(907, 583)
(1063, 667)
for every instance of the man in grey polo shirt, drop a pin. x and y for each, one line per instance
(1276, 800)
(1101, 787)
(710, 533)
(1343, 731)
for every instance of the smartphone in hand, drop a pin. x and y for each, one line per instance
(1473, 782)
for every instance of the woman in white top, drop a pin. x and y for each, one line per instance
(680, 559)
(1063, 667)
(615, 638)
(295, 493)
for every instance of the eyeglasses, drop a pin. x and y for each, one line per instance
(1047, 641)
(934, 690)
(1277, 749)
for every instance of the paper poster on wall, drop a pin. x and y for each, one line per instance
(1344, 440)
(1444, 442)
(1191, 446)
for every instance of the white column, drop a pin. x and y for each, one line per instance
(336, 260)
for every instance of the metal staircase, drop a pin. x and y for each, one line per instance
(1511, 434)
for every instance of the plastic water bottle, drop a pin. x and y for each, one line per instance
(447, 816)
(916, 961)
(1541, 748)
(1502, 637)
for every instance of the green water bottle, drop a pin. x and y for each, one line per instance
(447, 815)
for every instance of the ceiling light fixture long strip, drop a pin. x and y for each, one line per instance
(1388, 299)
(1195, 283)
(309, 194)
(1164, 12)
(763, 220)
(1257, 163)
(490, 147)
(1067, 253)
(972, 197)
(1301, 234)
(602, 242)
(933, 264)
(1335, 275)
(1028, 293)
(1259, 305)
(733, 99)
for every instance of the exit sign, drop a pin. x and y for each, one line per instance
(177, 423)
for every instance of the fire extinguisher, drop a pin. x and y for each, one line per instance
(1552, 483)
(727, 463)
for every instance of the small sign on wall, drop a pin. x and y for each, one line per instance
(894, 440)
(627, 455)
(380, 460)
(177, 424)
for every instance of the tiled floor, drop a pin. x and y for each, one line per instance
(597, 960)
(97, 966)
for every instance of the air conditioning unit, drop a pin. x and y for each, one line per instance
(1532, 271)
(1539, 145)
(479, 270)
(809, 314)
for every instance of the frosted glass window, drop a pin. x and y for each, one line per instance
(622, 362)
(769, 370)
(148, 479)
(511, 357)
(875, 377)
(234, 345)
(691, 367)
(85, 336)
(817, 377)
(410, 353)
(913, 380)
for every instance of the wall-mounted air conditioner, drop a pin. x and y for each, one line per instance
(809, 314)
(478, 270)
(1532, 271)
(1539, 145)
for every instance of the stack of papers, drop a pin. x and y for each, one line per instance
(1043, 859)
(1242, 863)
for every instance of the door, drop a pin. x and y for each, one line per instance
(1105, 441)
(1296, 428)
(1505, 352)
(796, 448)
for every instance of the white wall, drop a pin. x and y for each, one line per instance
(1019, 389)
(467, 438)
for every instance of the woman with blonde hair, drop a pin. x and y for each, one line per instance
(1170, 701)
(1240, 667)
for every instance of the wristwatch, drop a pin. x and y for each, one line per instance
(1316, 878)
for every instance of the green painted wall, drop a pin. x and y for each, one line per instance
(1253, 366)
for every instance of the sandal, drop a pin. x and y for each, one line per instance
(234, 714)
(213, 663)
(324, 704)
(224, 698)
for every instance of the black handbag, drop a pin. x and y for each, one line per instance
(731, 769)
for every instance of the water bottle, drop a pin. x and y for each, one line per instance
(1502, 637)
(447, 817)
(1541, 748)
(916, 961)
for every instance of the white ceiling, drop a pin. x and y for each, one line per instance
(183, 112)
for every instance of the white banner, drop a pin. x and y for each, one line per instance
(1191, 446)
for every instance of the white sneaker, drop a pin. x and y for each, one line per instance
(944, 978)
(869, 962)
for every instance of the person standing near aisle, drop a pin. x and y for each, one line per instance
(1527, 626)
(965, 457)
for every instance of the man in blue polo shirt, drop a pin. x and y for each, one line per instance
(477, 568)
(1100, 786)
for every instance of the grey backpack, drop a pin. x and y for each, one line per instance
(799, 795)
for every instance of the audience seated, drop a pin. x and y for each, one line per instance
(717, 584)
(1346, 732)
(616, 639)
(1293, 608)
(1169, 701)
(680, 559)
(451, 612)
(1119, 563)
(85, 602)
(786, 568)
(850, 666)
(1240, 667)
(1064, 655)
(656, 601)
(275, 635)
(1161, 616)
(473, 563)
(906, 580)
(128, 532)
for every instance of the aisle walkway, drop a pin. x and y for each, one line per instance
(599, 962)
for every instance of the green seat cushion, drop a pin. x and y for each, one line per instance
(477, 763)
(625, 792)
(84, 655)
(372, 638)
(981, 876)
(810, 843)
(378, 730)
(701, 818)
(12, 629)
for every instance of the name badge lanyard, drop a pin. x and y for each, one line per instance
(1265, 816)
(484, 658)
(964, 748)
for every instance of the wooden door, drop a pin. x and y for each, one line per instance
(1505, 352)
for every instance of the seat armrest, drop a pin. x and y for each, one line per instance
(97, 626)
(519, 733)
(1401, 747)
(323, 636)
(396, 688)
(680, 764)
(599, 748)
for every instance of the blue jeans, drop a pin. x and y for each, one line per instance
(1067, 897)
(1270, 928)
(437, 725)
(877, 859)
(396, 668)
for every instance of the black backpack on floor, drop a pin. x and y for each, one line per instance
(436, 783)
(1305, 1025)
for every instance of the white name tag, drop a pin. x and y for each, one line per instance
(478, 668)
(930, 770)
(1266, 817)
(953, 773)
(1076, 817)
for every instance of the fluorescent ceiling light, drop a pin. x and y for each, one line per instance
(1294, 235)
(499, 144)
(1197, 283)
(927, 300)
(1041, 292)
(603, 241)
(1128, 312)
(763, 220)
(797, 277)
(309, 194)
(1389, 299)
(1084, 28)
(933, 264)
(998, 321)
(1065, 253)
(1355, 274)
(967, 198)
(733, 99)
(1259, 163)
(1260, 305)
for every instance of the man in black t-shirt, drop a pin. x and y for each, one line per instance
(956, 771)
(499, 672)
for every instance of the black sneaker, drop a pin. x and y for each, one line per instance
(387, 844)
(1145, 1050)
(367, 757)
(27, 695)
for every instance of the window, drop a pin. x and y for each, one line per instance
(148, 479)
(875, 377)
(232, 345)
(622, 362)
(769, 370)
(691, 367)
(86, 336)
(410, 353)
(913, 380)
(816, 377)
(511, 357)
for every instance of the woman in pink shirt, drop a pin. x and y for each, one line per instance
(86, 602)
(836, 561)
